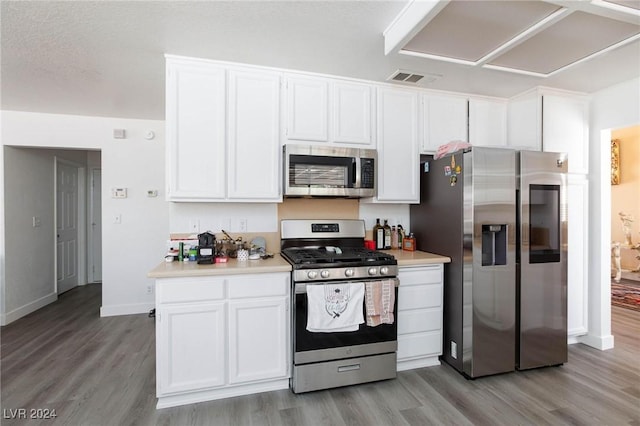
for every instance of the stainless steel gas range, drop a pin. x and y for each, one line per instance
(330, 254)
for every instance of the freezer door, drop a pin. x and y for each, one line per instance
(542, 283)
(489, 313)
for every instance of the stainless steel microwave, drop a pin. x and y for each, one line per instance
(323, 171)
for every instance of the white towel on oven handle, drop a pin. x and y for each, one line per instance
(335, 307)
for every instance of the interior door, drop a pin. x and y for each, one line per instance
(95, 268)
(66, 226)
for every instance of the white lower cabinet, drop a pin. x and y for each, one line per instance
(258, 340)
(191, 346)
(419, 316)
(218, 337)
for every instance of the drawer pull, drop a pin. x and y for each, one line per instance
(351, 367)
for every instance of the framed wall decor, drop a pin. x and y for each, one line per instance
(615, 162)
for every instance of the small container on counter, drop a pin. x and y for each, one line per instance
(409, 243)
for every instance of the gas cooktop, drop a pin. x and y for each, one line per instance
(322, 257)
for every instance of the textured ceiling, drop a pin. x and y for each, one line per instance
(106, 58)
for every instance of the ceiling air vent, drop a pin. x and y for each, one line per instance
(412, 77)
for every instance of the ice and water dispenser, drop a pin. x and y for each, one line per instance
(494, 245)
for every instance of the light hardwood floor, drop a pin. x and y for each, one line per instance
(101, 371)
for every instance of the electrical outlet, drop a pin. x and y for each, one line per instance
(149, 288)
(454, 350)
(36, 221)
(242, 225)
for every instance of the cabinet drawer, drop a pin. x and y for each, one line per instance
(416, 276)
(420, 344)
(196, 289)
(265, 285)
(419, 320)
(419, 296)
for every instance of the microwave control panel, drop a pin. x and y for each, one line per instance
(367, 177)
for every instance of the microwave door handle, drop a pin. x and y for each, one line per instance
(354, 173)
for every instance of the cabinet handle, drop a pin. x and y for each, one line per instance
(351, 367)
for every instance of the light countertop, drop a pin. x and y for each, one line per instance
(276, 264)
(231, 267)
(417, 258)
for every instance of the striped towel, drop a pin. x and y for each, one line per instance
(379, 299)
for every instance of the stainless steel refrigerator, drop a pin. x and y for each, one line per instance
(467, 211)
(542, 260)
(500, 215)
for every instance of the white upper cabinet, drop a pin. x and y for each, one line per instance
(254, 136)
(487, 122)
(398, 155)
(565, 128)
(552, 121)
(196, 120)
(352, 113)
(327, 111)
(444, 120)
(307, 109)
(223, 132)
(524, 117)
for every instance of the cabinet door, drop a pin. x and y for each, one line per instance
(307, 109)
(191, 347)
(487, 122)
(565, 129)
(195, 131)
(258, 339)
(398, 156)
(445, 120)
(254, 136)
(577, 254)
(524, 125)
(352, 113)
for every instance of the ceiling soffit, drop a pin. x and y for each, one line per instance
(528, 37)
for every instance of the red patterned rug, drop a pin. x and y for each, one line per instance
(625, 295)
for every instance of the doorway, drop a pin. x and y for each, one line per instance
(95, 227)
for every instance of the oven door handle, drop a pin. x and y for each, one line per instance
(301, 288)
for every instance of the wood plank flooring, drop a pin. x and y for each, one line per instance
(101, 371)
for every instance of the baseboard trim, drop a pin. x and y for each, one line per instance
(25, 310)
(411, 364)
(132, 309)
(220, 393)
(599, 342)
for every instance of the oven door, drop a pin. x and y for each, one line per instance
(317, 347)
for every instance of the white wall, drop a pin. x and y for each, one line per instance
(259, 217)
(612, 108)
(130, 249)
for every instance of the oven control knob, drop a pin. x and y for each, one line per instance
(324, 274)
(384, 270)
(312, 275)
(372, 271)
(348, 272)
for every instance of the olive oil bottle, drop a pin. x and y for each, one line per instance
(378, 235)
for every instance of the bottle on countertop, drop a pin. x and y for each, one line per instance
(394, 237)
(387, 235)
(400, 235)
(409, 243)
(378, 235)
